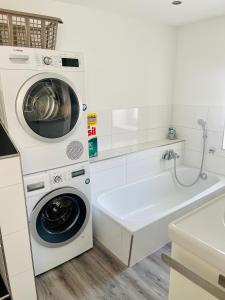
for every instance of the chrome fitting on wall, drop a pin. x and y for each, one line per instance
(169, 155)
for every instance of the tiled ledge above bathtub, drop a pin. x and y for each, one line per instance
(112, 153)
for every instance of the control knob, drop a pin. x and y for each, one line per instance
(57, 179)
(47, 60)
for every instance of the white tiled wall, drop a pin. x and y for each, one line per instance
(185, 120)
(115, 172)
(199, 89)
(122, 127)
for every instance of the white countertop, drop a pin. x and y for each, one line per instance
(202, 232)
(107, 154)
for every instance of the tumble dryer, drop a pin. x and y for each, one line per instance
(43, 106)
(59, 215)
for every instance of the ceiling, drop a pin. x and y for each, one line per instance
(160, 10)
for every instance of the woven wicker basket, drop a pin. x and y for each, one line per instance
(27, 30)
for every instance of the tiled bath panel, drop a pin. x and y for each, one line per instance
(184, 118)
(122, 127)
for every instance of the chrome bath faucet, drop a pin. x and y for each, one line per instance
(169, 155)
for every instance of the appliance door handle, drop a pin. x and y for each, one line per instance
(198, 280)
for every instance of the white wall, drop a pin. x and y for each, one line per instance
(200, 72)
(128, 61)
(129, 64)
(129, 74)
(200, 89)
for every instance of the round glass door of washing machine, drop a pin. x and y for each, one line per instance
(59, 217)
(49, 107)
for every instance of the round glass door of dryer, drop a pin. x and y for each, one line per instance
(48, 107)
(60, 217)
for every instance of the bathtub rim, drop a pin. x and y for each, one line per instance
(210, 193)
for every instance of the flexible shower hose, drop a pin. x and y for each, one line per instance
(201, 174)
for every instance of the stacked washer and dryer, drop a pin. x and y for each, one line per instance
(43, 109)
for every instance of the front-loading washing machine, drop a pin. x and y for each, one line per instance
(43, 106)
(59, 215)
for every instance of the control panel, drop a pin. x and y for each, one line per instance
(75, 175)
(17, 58)
(58, 61)
(63, 177)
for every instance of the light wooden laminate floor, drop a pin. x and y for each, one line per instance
(97, 274)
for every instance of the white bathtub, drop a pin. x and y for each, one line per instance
(132, 220)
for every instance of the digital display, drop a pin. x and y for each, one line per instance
(70, 62)
(78, 173)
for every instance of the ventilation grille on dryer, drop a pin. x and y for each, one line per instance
(74, 150)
